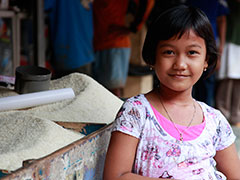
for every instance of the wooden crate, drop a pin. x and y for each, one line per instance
(81, 160)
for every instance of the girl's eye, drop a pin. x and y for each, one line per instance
(168, 52)
(193, 52)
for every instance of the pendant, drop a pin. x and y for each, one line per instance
(181, 137)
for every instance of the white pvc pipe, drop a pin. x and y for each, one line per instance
(35, 99)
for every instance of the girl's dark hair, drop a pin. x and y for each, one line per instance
(175, 22)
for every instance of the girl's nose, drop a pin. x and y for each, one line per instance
(179, 63)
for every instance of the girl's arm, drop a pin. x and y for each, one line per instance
(120, 158)
(228, 162)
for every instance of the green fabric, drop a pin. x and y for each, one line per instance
(233, 22)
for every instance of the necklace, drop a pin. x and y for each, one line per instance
(180, 133)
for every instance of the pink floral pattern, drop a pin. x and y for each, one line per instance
(161, 155)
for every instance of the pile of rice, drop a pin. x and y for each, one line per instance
(93, 103)
(26, 137)
(32, 134)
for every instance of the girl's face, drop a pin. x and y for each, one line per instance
(180, 62)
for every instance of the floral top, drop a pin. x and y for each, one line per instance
(160, 155)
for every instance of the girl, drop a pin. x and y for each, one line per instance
(166, 133)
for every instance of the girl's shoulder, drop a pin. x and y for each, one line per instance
(209, 110)
(136, 101)
(132, 116)
(218, 126)
(213, 116)
(137, 104)
(140, 97)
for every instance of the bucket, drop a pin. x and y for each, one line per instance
(32, 79)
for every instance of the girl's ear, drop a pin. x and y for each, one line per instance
(205, 66)
(151, 67)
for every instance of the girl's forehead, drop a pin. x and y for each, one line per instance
(187, 38)
(185, 34)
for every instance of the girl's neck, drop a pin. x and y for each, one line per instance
(180, 106)
(182, 98)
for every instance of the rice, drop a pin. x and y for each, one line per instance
(25, 137)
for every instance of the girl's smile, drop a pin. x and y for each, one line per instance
(181, 61)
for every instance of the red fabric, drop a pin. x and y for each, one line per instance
(109, 14)
(106, 14)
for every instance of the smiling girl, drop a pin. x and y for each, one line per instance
(168, 133)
